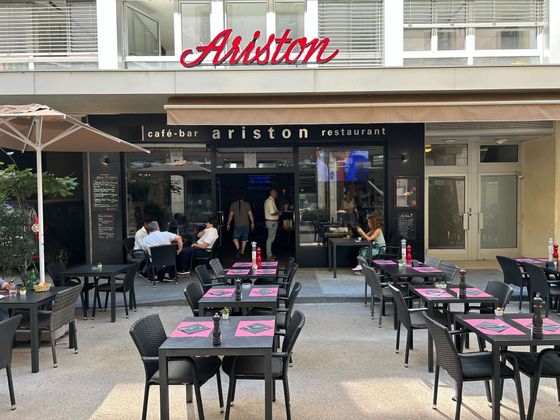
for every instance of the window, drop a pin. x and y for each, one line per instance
(447, 155)
(417, 39)
(290, 15)
(195, 23)
(506, 38)
(333, 181)
(254, 158)
(246, 17)
(498, 153)
(451, 39)
(143, 33)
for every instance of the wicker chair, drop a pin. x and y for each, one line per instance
(449, 270)
(126, 285)
(379, 290)
(432, 261)
(163, 258)
(513, 275)
(148, 335)
(466, 367)
(499, 290)
(63, 313)
(283, 316)
(193, 292)
(217, 268)
(213, 253)
(539, 284)
(252, 367)
(205, 279)
(7, 332)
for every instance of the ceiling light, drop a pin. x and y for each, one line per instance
(448, 141)
(502, 140)
(427, 148)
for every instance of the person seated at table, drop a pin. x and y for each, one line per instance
(374, 235)
(5, 285)
(137, 251)
(203, 246)
(157, 238)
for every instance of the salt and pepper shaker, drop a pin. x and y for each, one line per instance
(237, 289)
(254, 254)
(408, 255)
(216, 333)
(538, 306)
(462, 284)
(259, 258)
(555, 256)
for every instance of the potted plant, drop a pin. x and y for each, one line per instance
(225, 313)
(441, 284)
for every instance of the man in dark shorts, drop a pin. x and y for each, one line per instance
(240, 212)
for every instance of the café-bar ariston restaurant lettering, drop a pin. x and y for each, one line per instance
(275, 50)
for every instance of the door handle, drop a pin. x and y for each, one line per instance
(480, 221)
(466, 221)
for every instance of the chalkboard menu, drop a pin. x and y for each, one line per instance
(407, 225)
(106, 225)
(105, 192)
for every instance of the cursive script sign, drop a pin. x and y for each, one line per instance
(276, 50)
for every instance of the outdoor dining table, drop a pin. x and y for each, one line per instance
(107, 271)
(237, 340)
(251, 297)
(394, 270)
(334, 243)
(245, 270)
(507, 330)
(31, 302)
(433, 296)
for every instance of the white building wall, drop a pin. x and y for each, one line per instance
(109, 34)
(393, 24)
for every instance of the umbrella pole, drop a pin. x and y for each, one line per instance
(40, 205)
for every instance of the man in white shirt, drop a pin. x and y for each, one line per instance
(203, 246)
(137, 251)
(271, 216)
(157, 238)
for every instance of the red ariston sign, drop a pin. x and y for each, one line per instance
(276, 50)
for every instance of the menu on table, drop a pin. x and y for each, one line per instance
(493, 327)
(435, 293)
(262, 271)
(426, 269)
(385, 262)
(237, 272)
(263, 291)
(269, 264)
(217, 292)
(472, 292)
(242, 265)
(192, 329)
(255, 328)
(550, 327)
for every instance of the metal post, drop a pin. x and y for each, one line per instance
(40, 215)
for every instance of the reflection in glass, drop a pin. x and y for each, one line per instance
(168, 182)
(498, 205)
(143, 34)
(417, 39)
(447, 155)
(262, 158)
(451, 39)
(338, 186)
(446, 201)
(290, 16)
(505, 38)
(195, 21)
(246, 17)
(498, 153)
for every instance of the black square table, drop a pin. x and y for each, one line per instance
(334, 243)
(449, 295)
(31, 302)
(214, 298)
(504, 339)
(106, 270)
(231, 345)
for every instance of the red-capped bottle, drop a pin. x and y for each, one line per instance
(259, 258)
(555, 255)
(408, 255)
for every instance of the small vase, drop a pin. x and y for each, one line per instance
(225, 316)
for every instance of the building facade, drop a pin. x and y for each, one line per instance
(436, 116)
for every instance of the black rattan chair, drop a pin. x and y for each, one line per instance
(252, 367)
(513, 275)
(205, 279)
(217, 268)
(545, 364)
(283, 315)
(148, 335)
(193, 292)
(499, 290)
(378, 290)
(124, 286)
(8, 329)
(449, 271)
(466, 367)
(163, 258)
(213, 253)
(539, 284)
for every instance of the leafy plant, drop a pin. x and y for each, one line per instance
(17, 244)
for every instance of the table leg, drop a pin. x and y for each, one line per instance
(329, 254)
(496, 386)
(34, 331)
(163, 388)
(113, 299)
(430, 343)
(334, 260)
(268, 385)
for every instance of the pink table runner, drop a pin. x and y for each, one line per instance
(493, 327)
(264, 271)
(218, 292)
(385, 262)
(263, 291)
(242, 265)
(193, 329)
(473, 292)
(269, 264)
(550, 327)
(236, 272)
(434, 293)
(426, 269)
(255, 328)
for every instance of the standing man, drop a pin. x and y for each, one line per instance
(240, 212)
(271, 216)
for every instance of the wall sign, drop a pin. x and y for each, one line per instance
(105, 192)
(106, 224)
(276, 50)
(406, 222)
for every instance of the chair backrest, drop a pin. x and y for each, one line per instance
(446, 353)
(7, 332)
(128, 244)
(291, 275)
(449, 270)
(373, 281)
(215, 250)
(293, 328)
(499, 290)
(193, 292)
(432, 261)
(55, 269)
(402, 310)
(291, 301)
(148, 335)
(539, 284)
(511, 269)
(290, 262)
(63, 309)
(203, 276)
(129, 276)
(217, 267)
(163, 256)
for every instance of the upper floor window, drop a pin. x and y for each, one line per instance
(290, 15)
(195, 23)
(245, 17)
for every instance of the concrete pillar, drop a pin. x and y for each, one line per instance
(393, 28)
(552, 33)
(109, 34)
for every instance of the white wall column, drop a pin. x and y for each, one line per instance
(552, 33)
(312, 19)
(393, 27)
(109, 27)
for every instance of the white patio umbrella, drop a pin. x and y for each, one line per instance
(40, 128)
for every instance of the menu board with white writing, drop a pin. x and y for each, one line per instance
(106, 225)
(407, 225)
(105, 192)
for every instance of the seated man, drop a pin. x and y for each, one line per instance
(203, 246)
(138, 252)
(157, 238)
(4, 285)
